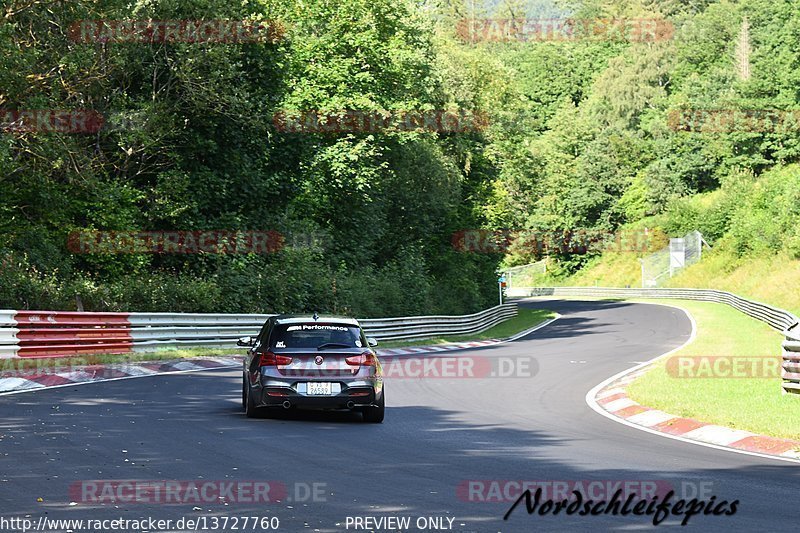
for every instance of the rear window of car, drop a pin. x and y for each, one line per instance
(314, 335)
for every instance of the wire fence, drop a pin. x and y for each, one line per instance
(664, 264)
(524, 275)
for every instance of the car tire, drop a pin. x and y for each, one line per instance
(244, 392)
(250, 409)
(374, 415)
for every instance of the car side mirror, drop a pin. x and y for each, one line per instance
(372, 342)
(245, 342)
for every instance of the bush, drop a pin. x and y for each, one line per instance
(294, 281)
(765, 214)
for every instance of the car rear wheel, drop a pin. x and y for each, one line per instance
(374, 415)
(250, 408)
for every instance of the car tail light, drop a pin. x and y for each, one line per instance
(365, 359)
(270, 359)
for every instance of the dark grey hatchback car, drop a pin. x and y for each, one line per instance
(312, 362)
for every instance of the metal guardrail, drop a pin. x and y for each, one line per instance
(779, 319)
(151, 331)
(429, 326)
(195, 319)
(54, 334)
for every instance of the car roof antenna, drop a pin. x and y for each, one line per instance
(316, 316)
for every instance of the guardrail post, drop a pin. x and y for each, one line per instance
(9, 342)
(790, 370)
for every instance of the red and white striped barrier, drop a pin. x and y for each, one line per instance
(59, 334)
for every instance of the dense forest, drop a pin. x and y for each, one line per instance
(588, 131)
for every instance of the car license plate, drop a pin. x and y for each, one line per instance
(319, 389)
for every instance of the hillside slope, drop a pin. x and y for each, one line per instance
(753, 227)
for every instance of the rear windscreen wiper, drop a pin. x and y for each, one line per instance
(333, 345)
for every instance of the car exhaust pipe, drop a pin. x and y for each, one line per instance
(351, 404)
(287, 404)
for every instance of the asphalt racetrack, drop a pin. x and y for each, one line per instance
(446, 444)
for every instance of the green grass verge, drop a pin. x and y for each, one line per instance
(525, 319)
(751, 404)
